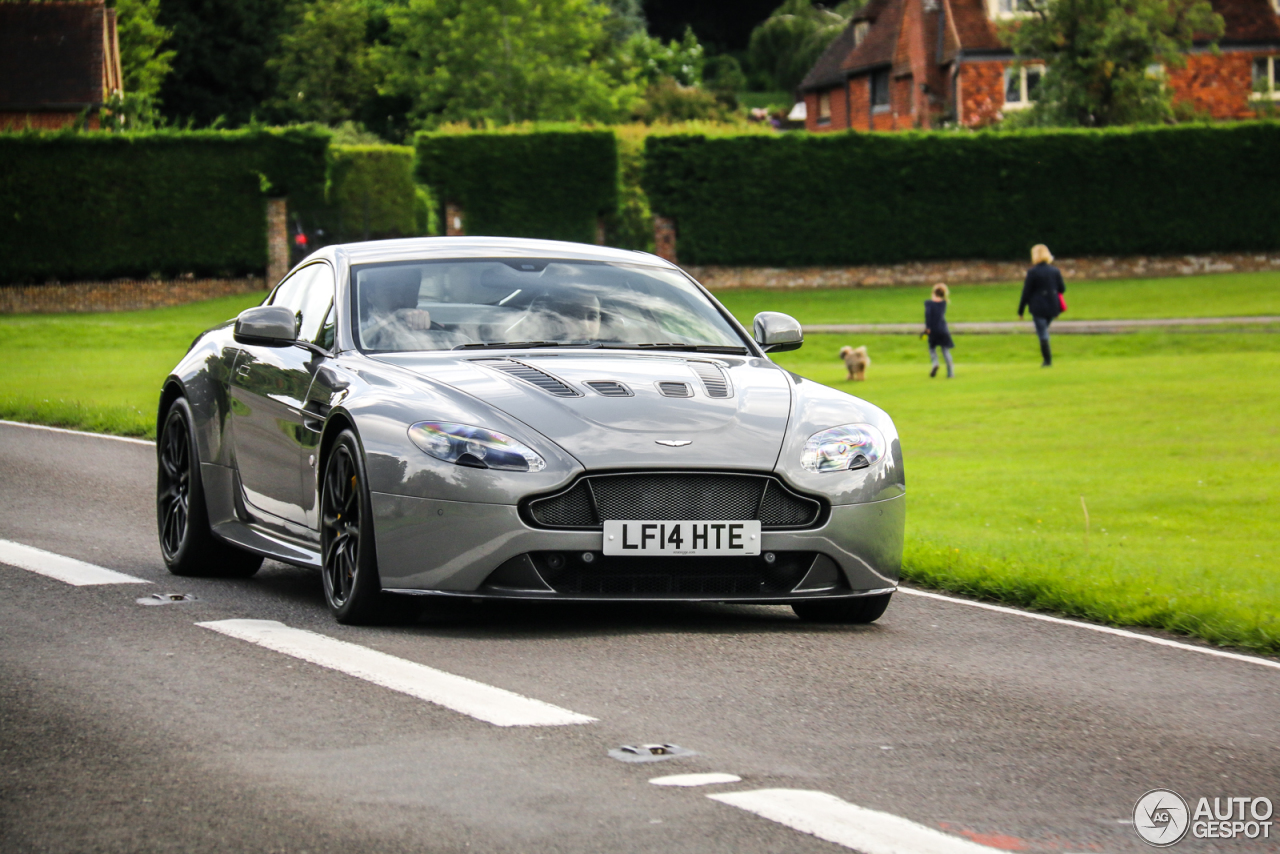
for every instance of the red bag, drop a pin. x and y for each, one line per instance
(1062, 303)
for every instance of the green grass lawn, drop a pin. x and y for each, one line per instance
(1170, 438)
(1223, 295)
(100, 372)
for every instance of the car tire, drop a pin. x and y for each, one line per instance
(861, 609)
(349, 562)
(187, 543)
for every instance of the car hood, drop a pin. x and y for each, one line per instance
(743, 430)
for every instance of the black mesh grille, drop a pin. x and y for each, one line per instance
(713, 379)
(609, 388)
(531, 375)
(674, 496)
(669, 389)
(731, 577)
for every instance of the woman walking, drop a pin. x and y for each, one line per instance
(935, 326)
(1041, 293)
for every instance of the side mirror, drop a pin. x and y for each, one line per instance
(776, 332)
(270, 325)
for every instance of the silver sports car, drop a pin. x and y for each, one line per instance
(528, 419)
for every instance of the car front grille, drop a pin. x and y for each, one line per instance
(682, 496)
(730, 577)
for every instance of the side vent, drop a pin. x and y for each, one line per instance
(609, 388)
(531, 375)
(713, 379)
(670, 389)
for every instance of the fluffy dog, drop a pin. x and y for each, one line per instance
(857, 361)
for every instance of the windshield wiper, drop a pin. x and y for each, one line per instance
(693, 348)
(517, 345)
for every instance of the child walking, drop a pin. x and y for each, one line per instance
(935, 326)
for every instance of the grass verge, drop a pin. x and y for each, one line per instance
(100, 372)
(1171, 440)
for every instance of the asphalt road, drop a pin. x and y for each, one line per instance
(128, 728)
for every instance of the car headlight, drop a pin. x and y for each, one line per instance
(474, 446)
(846, 448)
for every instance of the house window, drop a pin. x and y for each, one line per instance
(880, 90)
(1009, 8)
(824, 108)
(1021, 86)
(860, 31)
(1266, 78)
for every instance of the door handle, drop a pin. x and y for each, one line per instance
(243, 371)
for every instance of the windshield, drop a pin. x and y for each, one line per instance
(483, 304)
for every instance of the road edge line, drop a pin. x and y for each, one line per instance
(131, 439)
(1108, 630)
(68, 570)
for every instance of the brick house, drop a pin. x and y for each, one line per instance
(912, 63)
(57, 61)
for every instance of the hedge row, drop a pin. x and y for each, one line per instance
(372, 194)
(882, 198)
(550, 183)
(99, 206)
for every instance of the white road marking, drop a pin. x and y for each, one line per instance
(467, 696)
(66, 569)
(835, 820)
(147, 442)
(1106, 630)
(695, 779)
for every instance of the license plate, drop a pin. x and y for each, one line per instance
(708, 539)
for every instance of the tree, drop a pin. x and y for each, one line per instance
(500, 61)
(143, 60)
(790, 41)
(324, 69)
(220, 67)
(1104, 58)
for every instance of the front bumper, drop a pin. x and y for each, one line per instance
(429, 546)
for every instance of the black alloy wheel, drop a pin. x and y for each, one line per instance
(352, 588)
(858, 609)
(187, 544)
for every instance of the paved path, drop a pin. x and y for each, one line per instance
(197, 726)
(1079, 327)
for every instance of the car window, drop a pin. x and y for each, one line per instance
(309, 294)
(443, 305)
(317, 297)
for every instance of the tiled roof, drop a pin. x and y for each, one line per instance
(826, 71)
(1249, 20)
(975, 30)
(882, 38)
(52, 55)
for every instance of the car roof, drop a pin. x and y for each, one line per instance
(426, 248)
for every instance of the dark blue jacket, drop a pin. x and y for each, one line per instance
(1040, 291)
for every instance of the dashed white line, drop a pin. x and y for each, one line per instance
(65, 569)
(467, 696)
(1106, 630)
(710, 779)
(130, 439)
(828, 817)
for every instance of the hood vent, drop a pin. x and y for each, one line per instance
(669, 389)
(531, 375)
(713, 379)
(609, 388)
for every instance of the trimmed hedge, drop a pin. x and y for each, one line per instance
(525, 182)
(101, 206)
(372, 193)
(855, 198)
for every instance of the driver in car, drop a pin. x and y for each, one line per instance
(391, 320)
